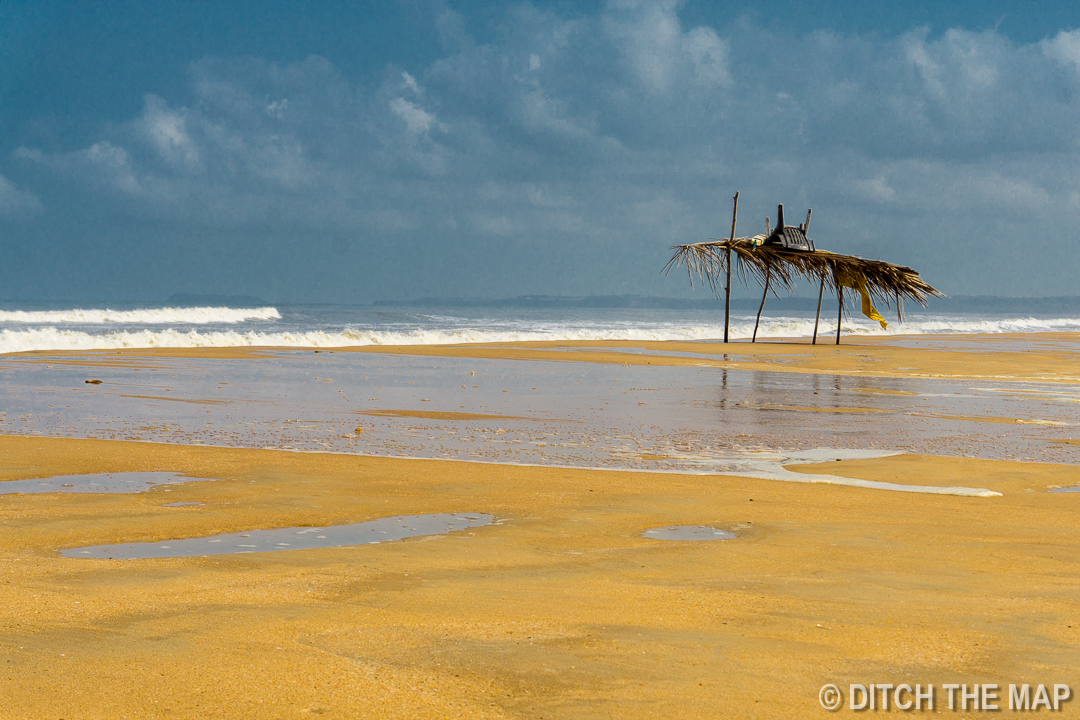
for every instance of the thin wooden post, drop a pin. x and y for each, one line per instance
(821, 291)
(899, 308)
(727, 287)
(840, 318)
(763, 296)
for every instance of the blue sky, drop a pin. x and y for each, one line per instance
(345, 152)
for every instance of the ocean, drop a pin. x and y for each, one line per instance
(26, 328)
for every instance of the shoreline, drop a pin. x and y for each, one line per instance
(794, 472)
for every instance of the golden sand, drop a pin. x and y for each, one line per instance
(562, 610)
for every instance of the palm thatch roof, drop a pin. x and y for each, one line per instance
(775, 266)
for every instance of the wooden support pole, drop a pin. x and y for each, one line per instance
(840, 317)
(806, 225)
(899, 308)
(727, 287)
(820, 292)
(763, 296)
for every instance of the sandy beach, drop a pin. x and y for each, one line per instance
(560, 608)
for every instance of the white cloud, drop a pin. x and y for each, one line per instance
(600, 140)
(709, 54)
(166, 131)
(416, 118)
(410, 83)
(1064, 47)
(278, 108)
(649, 36)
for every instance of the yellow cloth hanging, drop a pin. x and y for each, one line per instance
(858, 282)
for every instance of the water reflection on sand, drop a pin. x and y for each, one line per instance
(292, 538)
(119, 482)
(531, 412)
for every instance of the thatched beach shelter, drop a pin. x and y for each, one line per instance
(781, 257)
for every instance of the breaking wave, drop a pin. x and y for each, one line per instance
(151, 316)
(477, 330)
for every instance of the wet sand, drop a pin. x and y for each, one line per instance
(560, 608)
(1002, 356)
(568, 412)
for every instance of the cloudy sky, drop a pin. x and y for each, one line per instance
(352, 152)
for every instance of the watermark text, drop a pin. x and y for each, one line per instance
(947, 696)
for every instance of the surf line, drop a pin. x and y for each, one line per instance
(784, 475)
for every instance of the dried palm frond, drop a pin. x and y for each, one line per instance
(887, 283)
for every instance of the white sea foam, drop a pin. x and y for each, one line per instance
(769, 465)
(148, 316)
(429, 330)
(912, 325)
(51, 338)
(779, 473)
